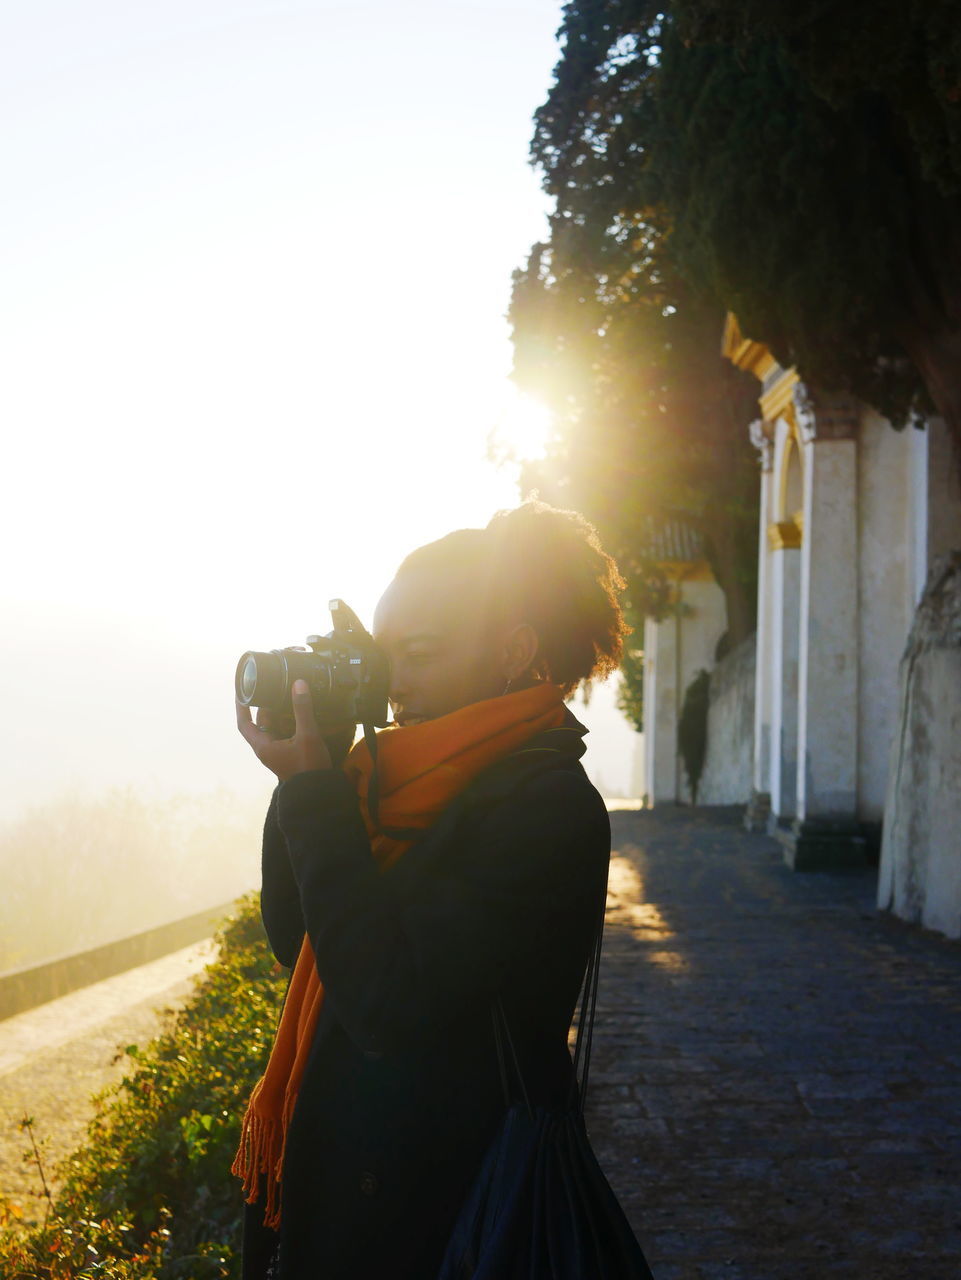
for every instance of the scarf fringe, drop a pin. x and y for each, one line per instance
(259, 1159)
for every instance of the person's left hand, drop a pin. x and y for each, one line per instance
(286, 756)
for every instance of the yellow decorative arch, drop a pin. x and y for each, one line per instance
(777, 384)
(776, 401)
(786, 531)
(792, 452)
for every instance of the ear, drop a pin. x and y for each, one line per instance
(520, 649)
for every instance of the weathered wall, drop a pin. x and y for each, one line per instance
(730, 727)
(674, 652)
(944, 492)
(886, 595)
(920, 874)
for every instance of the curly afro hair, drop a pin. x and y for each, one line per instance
(544, 566)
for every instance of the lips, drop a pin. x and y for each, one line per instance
(406, 720)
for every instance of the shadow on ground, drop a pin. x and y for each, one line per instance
(776, 1086)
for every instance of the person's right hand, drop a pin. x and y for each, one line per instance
(295, 728)
(278, 724)
(302, 750)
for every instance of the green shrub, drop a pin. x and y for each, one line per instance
(150, 1195)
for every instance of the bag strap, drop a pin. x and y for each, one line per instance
(585, 1021)
(585, 1030)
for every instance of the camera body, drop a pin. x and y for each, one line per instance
(348, 676)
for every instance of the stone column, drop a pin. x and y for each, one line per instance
(660, 709)
(785, 617)
(651, 743)
(826, 831)
(759, 806)
(918, 511)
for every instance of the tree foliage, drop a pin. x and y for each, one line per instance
(808, 160)
(652, 422)
(907, 55)
(812, 220)
(630, 695)
(795, 162)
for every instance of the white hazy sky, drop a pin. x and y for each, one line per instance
(255, 263)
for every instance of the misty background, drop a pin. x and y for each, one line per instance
(256, 261)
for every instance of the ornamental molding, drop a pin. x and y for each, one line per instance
(804, 414)
(786, 535)
(762, 434)
(744, 353)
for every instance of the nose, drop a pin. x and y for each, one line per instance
(397, 685)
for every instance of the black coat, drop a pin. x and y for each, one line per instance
(402, 1094)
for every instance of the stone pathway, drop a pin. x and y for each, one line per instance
(776, 1081)
(55, 1057)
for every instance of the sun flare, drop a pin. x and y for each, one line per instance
(522, 430)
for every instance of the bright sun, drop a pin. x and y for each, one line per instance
(522, 429)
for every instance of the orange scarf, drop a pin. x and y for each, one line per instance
(420, 770)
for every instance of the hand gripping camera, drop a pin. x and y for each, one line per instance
(348, 676)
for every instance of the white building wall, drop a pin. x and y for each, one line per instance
(920, 873)
(785, 605)
(828, 658)
(908, 513)
(727, 775)
(942, 898)
(703, 622)
(674, 651)
(888, 523)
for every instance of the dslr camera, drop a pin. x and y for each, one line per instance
(348, 676)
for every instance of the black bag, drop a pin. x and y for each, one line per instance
(540, 1207)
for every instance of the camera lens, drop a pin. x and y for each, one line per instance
(248, 680)
(261, 680)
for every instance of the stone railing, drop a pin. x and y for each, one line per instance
(22, 989)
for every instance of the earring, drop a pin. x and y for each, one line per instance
(507, 688)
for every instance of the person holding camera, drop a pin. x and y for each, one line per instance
(463, 865)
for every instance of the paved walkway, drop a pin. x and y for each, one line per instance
(776, 1082)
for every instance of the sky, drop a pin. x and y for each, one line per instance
(256, 262)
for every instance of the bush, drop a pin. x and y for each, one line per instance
(150, 1194)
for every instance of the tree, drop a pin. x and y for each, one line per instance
(795, 161)
(811, 158)
(653, 426)
(804, 161)
(652, 422)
